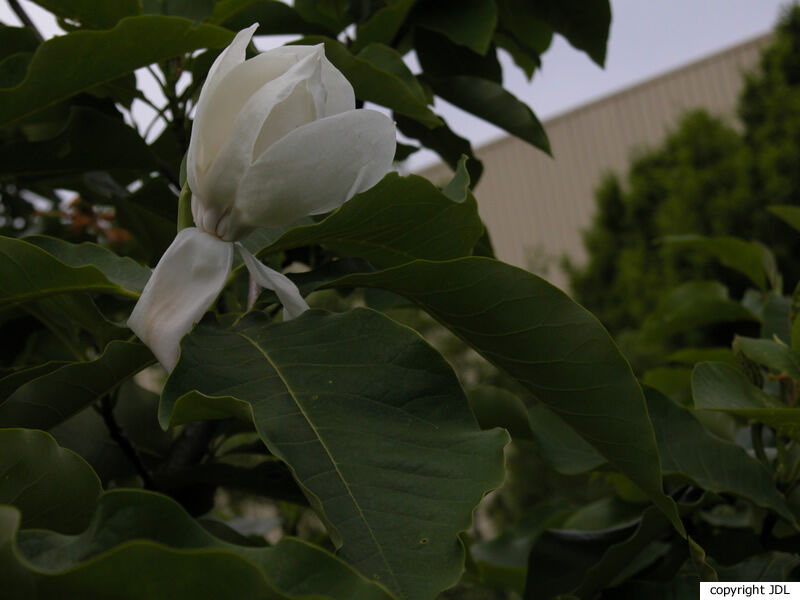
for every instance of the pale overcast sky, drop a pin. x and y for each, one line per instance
(648, 37)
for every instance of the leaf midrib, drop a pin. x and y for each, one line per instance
(327, 452)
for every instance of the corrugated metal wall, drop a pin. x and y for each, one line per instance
(535, 207)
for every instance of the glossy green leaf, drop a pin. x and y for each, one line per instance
(771, 566)
(441, 58)
(502, 562)
(690, 356)
(442, 140)
(789, 214)
(124, 272)
(152, 545)
(775, 317)
(558, 444)
(585, 23)
(387, 59)
(398, 220)
(584, 562)
(550, 344)
(749, 258)
(394, 462)
(332, 14)
(373, 83)
(91, 14)
(468, 23)
(273, 17)
(14, 40)
(52, 398)
(52, 487)
(687, 449)
(692, 305)
(29, 273)
(521, 19)
(72, 63)
(197, 10)
(490, 101)
(18, 377)
(383, 26)
(720, 387)
(776, 356)
(525, 59)
(496, 407)
(673, 382)
(90, 141)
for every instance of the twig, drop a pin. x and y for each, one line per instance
(188, 449)
(25, 19)
(106, 410)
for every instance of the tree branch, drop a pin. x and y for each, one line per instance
(25, 19)
(106, 410)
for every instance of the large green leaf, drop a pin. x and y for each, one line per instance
(383, 26)
(446, 143)
(585, 23)
(774, 355)
(90, 141)
(374, 82)
(750, 258)
(694, 304)
(14, 40)
(789, 214)
(689, 450)
(550, 344)
(720, 387)
(558, 444)
(273, 17)
(372, 421)
(521, 19)
(502, 562)
(439, 57)
(496, 407)
(52, 487)
(54, 397)
(18, 377)
(468, 23)
(490, 101)
(582, 563)
(122, 271)
(90, 13)
(144, 545)
(398, 220)
(71, 63)
(29, 273)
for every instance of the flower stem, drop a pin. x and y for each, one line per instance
(185, 208)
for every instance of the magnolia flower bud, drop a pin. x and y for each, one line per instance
(275, 138)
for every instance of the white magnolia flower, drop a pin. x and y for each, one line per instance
(275, 138)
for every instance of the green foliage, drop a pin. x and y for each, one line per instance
(374, 433)
(705, 179)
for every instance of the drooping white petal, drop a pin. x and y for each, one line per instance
(287, 292)
(315, 168)
(183, 285)
(293, 99)
(232, 56)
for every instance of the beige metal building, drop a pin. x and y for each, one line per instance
(535, 207)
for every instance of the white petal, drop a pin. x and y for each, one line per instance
(293, 99)
(315, 168)
(340, 97)
(187, 279)
(287, 292)
(232, 56)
